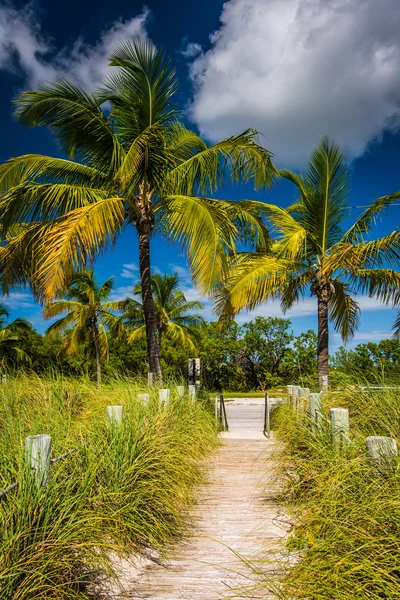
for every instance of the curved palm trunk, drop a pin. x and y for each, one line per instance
(153, 342)
(97, 352)
(323, 342)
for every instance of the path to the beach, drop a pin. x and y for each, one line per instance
(234, 517)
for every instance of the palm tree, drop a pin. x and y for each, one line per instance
(313, 252)
(131, 163)
(173, 313)
(87, 316)
(11, 335)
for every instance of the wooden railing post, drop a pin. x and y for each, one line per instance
(180, 390)
(340, 425)
(315, 408)
(37, 456)
(164, 396)
(114, 415)
(381, 449)
(192, 392)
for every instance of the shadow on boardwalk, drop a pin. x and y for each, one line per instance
(233, 518)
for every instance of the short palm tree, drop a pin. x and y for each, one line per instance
(87, 316)
(315, 253)
(11, 335)
(174, 317)
(131, 163)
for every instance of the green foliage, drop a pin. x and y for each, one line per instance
(370, 361)
(345, 510)
(125, 490)
(174, 314)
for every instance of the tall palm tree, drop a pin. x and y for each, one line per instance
(11, 335)
(87, 316)
(174, 317)
(131, 163)
(314, 252)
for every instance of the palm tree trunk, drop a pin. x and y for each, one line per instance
(97, 352)
(323, 342)
(153, 342)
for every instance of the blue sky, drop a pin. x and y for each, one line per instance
(293, 69)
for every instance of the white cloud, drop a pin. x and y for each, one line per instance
(191, 50)
(130, 271)
(23, 46)
(183, 273)
(17, 300)
(295, 69)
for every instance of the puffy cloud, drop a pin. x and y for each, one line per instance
(294, 69)
(23, 47)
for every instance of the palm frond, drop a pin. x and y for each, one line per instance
(77, 121)
(253, 279)
(240, 157)
(45, 169)
(369, 217)
(201, 227)
(145, 83)
(344, 310)
(74, 240)
(383, 284)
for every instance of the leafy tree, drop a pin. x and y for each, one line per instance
(174, 317)
(132, 163)
(313, 252)
(219, 354)
(11, 335)
(87, 307)
(305, 358)
(265, 345)
(371, 360)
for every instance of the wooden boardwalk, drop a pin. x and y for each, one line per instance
(234, 517)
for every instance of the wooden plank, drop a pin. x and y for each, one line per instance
(234, 517)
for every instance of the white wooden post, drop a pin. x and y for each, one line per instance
(381, 449)
(37, 455)
(150, 378)
(192, 393)
(180, 390)
(340, 425)
(163, 396)
(315, 407)
(216, 408)
(144, 398)
(289, 389)
(324, 379)
(114, 415)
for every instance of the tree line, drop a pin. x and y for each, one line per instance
(96, 335)
(131, 162)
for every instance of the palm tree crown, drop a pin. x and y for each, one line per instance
(87, 315)
(10, 337)
(131, 163)
(174, 317)
(314, 252)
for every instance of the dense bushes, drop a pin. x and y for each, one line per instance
(125, 490)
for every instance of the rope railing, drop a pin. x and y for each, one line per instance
(52, 461)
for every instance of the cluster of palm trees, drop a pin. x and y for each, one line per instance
(88, 313)
(133, 163)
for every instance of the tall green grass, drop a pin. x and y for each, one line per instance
(125, 491)
(345, 541)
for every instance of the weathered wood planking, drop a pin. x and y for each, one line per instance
(233, 516)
